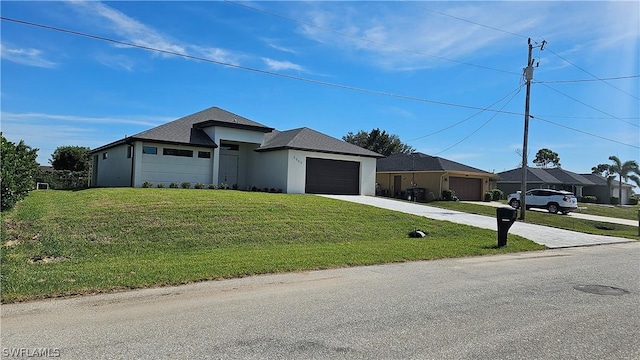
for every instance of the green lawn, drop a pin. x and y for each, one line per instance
(548, 219)
(621, 212)
(61, 243)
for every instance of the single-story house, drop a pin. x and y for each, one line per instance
(561, 179)
(215, 146)
(397, 173)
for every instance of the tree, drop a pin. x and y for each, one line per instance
(72, 158)
(379, 142)
(19, 167)
(545, 158)
(628, 170)
(605, 171)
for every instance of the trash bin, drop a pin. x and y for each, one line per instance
(506, 216)
(409, 194)
(416, 194)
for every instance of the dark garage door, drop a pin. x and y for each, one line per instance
(466, 189)
(337, 177)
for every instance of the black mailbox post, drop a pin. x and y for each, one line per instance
(506, 217)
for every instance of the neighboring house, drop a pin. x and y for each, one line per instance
(397, 173)
(561, 179)
(215, 146)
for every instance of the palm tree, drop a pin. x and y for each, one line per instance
(626, 171)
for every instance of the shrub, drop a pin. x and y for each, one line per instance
(174, 185)
(160, 185)
(253, 188)
(19, 168)
(589, 199)
(496, 194)
(223, 186)
(185, 185)
(199, 186)
(234, 186)
(633, 200)
(448, 195)
(488, 196)
(614, 200)
(213, 186)
(147, 184)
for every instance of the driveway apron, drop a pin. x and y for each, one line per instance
(544, 235)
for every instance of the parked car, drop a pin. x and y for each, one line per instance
(553, 200)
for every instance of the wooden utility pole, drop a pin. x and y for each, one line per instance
(528, 76)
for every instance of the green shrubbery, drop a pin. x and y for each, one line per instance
(589, 199)
(448, 195)
(19, 168)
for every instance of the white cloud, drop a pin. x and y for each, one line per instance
(30, 57)
(282, 65)
(22, 118)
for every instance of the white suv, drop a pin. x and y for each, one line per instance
(552, 200)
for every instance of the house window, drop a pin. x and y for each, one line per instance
(129, 151)
(204, 154)
(229, 146)
(149, 150)
(177, 152)
(105, 155)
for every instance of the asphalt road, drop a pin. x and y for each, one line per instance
(515, 306)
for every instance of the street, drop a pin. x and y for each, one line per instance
(579, 303)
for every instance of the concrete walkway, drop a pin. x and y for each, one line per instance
(576, 215)
(550, 237)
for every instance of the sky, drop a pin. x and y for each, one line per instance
(446, 77)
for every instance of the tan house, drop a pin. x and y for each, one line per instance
(397, 173)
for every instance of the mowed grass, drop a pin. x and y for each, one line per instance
(548, 219)
(629, 212)
(62, 243)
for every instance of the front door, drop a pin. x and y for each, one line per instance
(228, 170)
(397, 186)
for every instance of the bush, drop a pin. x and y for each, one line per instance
(234, 186)
(633, 200)
(253, 188)
(223, 186)
(147, 185)
(589, 199)
(496, 194)
(448, 195)
(199, 186)
(173, 185)
(213, 186)
(614, 200)
(19, 167)
(185, 185)
(488, 196)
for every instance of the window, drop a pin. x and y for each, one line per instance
(129, 151)
(149, 150)
(204, 154)
(229, 146)
(177, 152)
(105, 155)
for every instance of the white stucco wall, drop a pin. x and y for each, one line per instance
(115, 170)
(296, 170)
(268, 170)
(166, 169)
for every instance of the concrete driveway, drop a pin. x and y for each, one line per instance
(544, 235)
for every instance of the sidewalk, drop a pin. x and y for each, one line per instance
(550, 237)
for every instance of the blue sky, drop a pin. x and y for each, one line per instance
(424, 70)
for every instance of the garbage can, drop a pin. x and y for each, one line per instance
(410, 194)
(506, 216)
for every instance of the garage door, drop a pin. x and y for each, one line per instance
(466, 189)
(337, 177)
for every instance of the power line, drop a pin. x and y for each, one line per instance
(317, 82)
(466, 119)
(589, 106)
(584, 132)
(585, 80)
(481, 126)
(595, 77)
(369, 40)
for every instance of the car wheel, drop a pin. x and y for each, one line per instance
(553, 208)
(514, 203)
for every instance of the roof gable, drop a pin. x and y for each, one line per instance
(421, 162)
(311, 140)
(546, 176)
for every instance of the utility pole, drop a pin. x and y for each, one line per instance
(528, 76)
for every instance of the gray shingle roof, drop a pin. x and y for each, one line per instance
(311, 140)
(421, 162)
(546, 176)
(188, 130)
(601, 180)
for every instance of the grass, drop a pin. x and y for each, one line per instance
(548, 219)
(621, 212)
(63, 243)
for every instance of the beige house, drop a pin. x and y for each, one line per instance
(397, 173)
